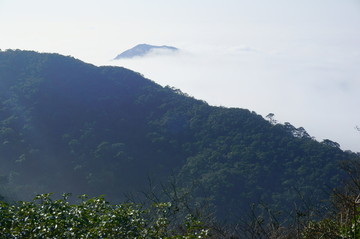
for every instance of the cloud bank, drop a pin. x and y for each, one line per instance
(316, 92)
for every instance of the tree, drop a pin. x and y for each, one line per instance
(270, 116)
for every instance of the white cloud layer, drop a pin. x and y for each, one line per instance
(315, 92)
(297, 59)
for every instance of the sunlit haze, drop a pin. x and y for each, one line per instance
(297, 59)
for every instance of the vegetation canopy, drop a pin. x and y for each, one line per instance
(68, 126)
(94, 218)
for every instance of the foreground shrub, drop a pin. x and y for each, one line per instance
(93, 218)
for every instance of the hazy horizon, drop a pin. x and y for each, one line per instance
(298, 59)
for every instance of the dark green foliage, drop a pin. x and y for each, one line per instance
(93, 218)
(343, 217)
(67, 126)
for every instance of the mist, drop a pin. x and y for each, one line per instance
(314, 91)
(298, 59)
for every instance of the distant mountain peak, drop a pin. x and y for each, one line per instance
(142, 50)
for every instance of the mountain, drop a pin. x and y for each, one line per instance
(144, 49)
(68, 126)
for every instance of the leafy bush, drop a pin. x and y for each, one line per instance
(93, 218)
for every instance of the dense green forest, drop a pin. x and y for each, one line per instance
(68, 126)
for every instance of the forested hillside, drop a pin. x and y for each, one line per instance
(68, 126)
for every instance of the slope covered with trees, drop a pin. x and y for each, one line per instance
(68, 126)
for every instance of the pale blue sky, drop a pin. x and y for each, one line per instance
(298, 59)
